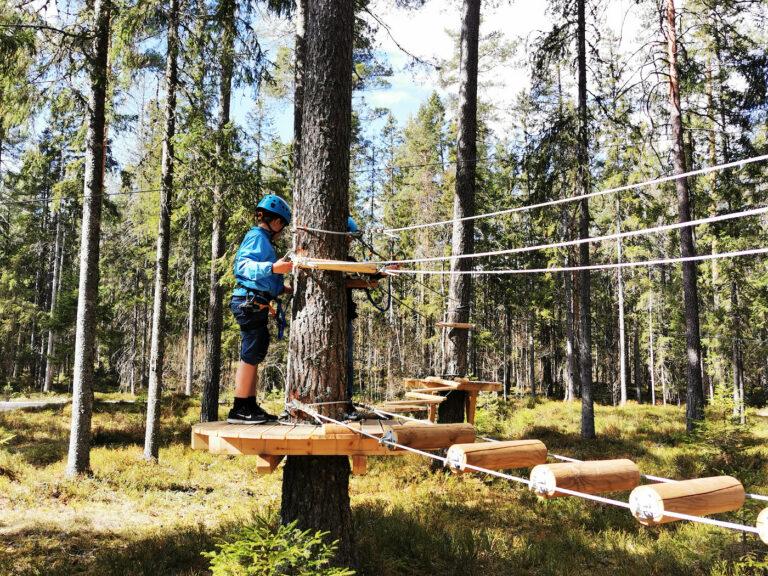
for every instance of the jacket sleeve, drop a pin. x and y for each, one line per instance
(250, 263)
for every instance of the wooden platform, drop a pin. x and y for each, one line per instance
(434, 385)
(271, 442)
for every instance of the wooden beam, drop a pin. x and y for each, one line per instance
(697, 497)
(497, 455)
(267, 463)
(432, 413)
(593, 477)
(456, 325)
(359, 465)
(471, 404)
(337, 265)
(400, 408)
(426, 398)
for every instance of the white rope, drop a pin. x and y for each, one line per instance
(566, 243)
(702, 257)
(524, 481)
(569, 199)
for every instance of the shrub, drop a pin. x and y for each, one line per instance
(264, 550)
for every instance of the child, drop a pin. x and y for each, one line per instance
(259, 276)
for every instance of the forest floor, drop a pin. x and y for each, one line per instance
(133, 517)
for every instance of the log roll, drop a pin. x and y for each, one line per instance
(593, 477)
(696, 497)
(496, 455)
(430, 436)
(762, 525)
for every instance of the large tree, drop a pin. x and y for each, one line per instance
(316, 489)
(463, 239)
(694, 410)
(157, 347)
(78, 460)
(210, 404)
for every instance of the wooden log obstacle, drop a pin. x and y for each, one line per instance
(697, 497)
(593, 477)
(496, 455)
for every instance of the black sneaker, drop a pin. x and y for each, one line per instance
(247, 415)
(264, 414)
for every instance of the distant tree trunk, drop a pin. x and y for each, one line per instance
(637, 364)
(316, 489)
(157, 348)
(694, 411)
(210, 402)
(531, 361)
(78, 458)
(190, 371)
(585, 348)
(622, 334)
(570, 360)
(57, 250)
(651, 357)
(736, 356)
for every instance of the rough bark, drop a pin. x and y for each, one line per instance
(460, 289)
(694, 411)
(78, 459)
(316, 489)
(157, 346)
(585, 343)
(210, 402)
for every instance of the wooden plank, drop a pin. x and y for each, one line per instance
(224, 445)
(434, 389)
(456, 325)
(432, 382)
(697, 497)
(199, 441)
(478, 386)
(428, 398)
(359, 465)
(267, 463)
(337, 266)
(432, 413)
(400, 408)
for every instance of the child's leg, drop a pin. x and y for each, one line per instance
(246, 379)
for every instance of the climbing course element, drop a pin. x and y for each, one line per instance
(335, 265)
(456, 325)
(496, 455)
(762, 525)
(430, 436)
(272, 441)
(434, 385)
(593, 477)
(697, 497)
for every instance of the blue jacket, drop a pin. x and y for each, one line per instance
(253, 264)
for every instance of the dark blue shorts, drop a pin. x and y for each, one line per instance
(254, 331)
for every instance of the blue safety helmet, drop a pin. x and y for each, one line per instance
(276, 205)
(352, 225)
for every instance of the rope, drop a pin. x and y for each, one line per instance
(518, 479)
(563, 244)
(733, 254)
(569, 199)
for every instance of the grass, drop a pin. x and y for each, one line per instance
(134, 517)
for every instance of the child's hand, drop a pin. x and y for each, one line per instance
(282, 266)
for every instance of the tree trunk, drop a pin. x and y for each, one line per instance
(57, 261)
(157, 347)
(637, 364)
(78, 458)
(651, 357)
(585, 347)
(209, 411)
(736, 354)
(190, 371)
(316, 489)
(694, 411)
(570, 360)
(622, 333)
(460, 289)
